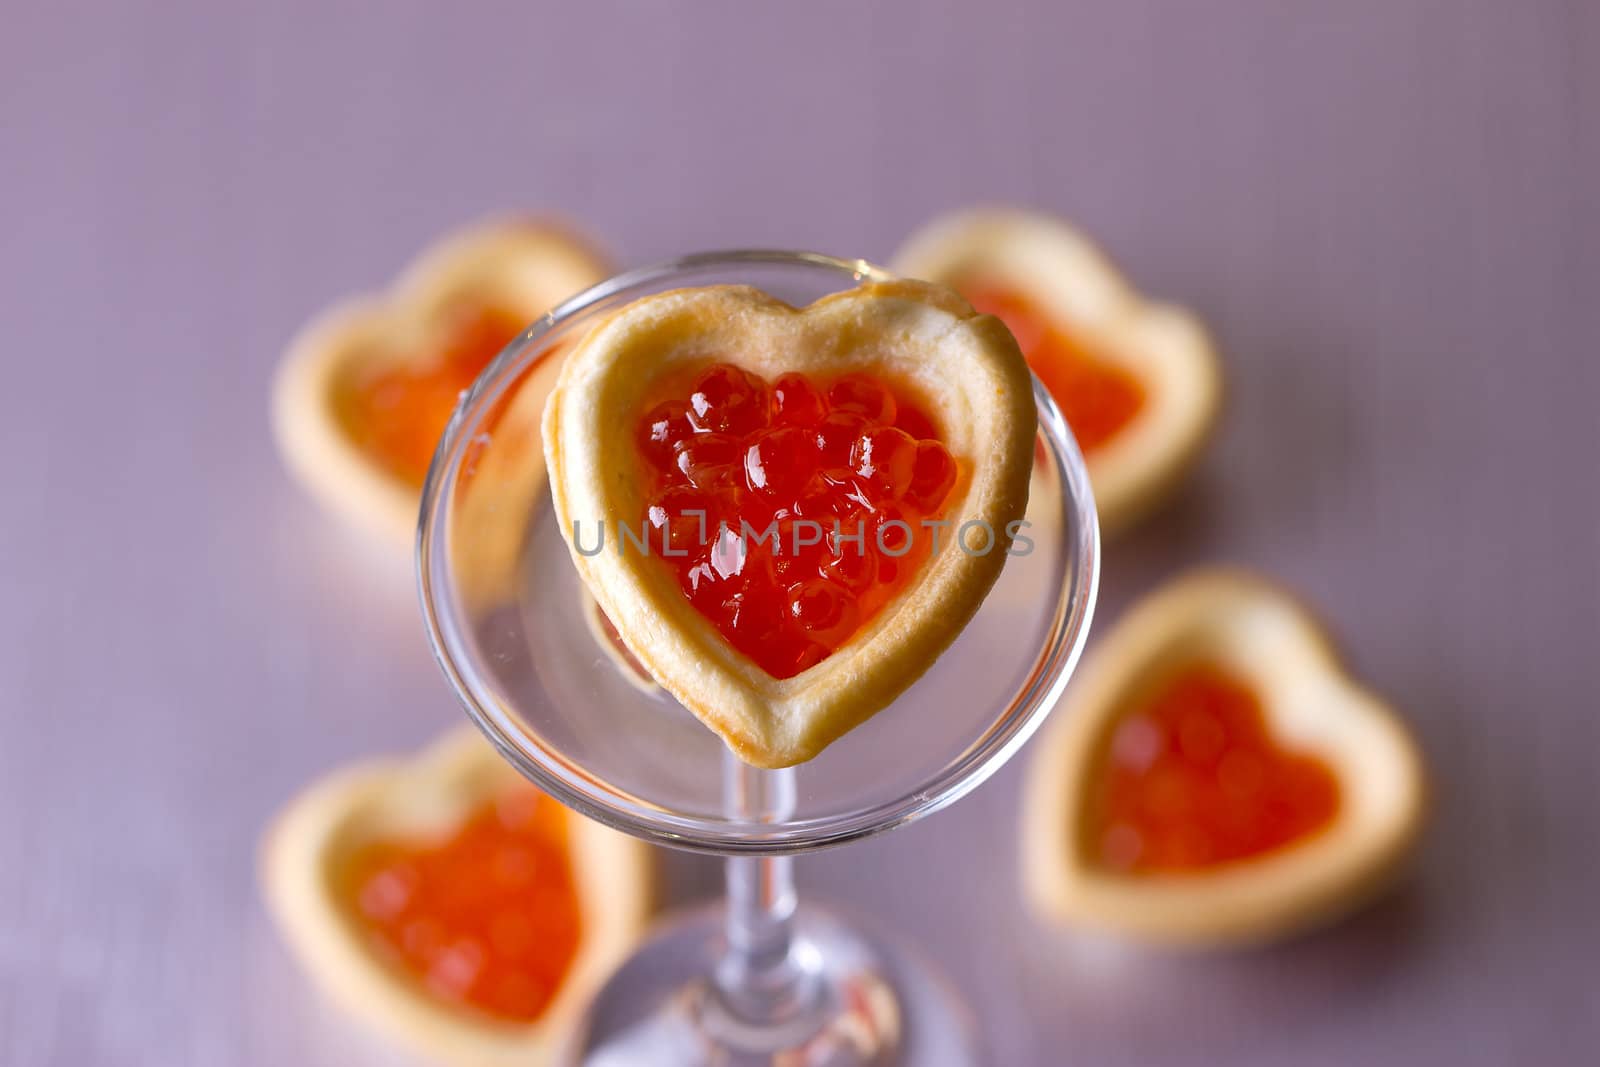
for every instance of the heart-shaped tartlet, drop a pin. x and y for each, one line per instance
(452, 906)
(790, 513)
(1137, 381)
(1213, 777)
(365, 389)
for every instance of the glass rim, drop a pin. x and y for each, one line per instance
(612, 806)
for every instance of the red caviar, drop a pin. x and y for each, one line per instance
(1191, 779)
(1097, 397)
(487, 919)
(396, 411)
(843, 472)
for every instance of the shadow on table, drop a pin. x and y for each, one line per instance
(1143, 999)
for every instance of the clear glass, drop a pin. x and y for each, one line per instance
(763, 981)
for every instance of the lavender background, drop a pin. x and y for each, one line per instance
(1384, 209)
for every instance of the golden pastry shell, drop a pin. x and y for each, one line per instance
(1258, 632)
(1070, 280)
(516, 265)
(307, 846)
(965, 367)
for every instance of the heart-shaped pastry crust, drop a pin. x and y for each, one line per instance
(365, 388)
(1138, 381)
(311, 862)
(1329, 847)
(962, 369)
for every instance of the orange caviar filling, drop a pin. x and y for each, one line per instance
(843, 472)
(396, 411)
(487, 919)
(1097, 397)
(1191, 779)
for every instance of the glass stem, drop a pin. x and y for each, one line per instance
(762, 979)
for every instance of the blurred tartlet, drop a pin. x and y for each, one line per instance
(365, 389)
(1137, 380)
(450, 906)
(1213, 777)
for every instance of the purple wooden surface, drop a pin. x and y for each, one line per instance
(1386, 211)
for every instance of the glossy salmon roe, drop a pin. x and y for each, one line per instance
(396, 412)
(1191, 779)
(486, 919)
(1097, 397)
(842, 473)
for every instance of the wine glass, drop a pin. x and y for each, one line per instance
(756, 980)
